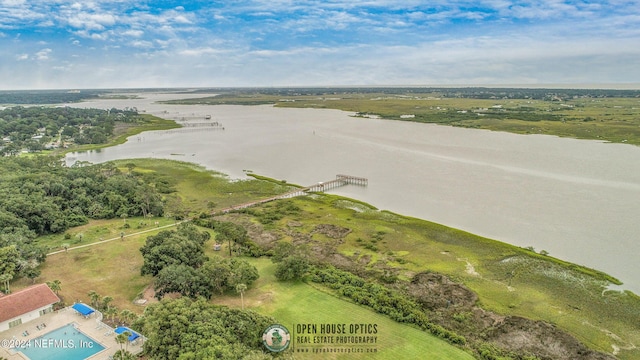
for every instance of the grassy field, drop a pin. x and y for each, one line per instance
(111, 269)
(508, 280)
(606, 119)
(300, 303)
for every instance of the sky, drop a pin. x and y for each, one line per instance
(60, 44)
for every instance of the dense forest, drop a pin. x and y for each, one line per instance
(41, 195)
(39, 128)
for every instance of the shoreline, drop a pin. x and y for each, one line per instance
(459, 204)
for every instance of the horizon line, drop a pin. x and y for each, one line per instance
(554, 86)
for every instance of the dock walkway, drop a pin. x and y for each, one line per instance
(340, 180)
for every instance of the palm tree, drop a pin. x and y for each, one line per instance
(123, 338)
(105, 301)
(128, 316)
(111, 312)
(95, 297)
(123, 355)
(241, 288)
(54, 286)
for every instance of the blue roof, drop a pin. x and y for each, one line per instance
(82, 309)
(120, 329)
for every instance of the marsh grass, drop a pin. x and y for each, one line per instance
(605, 119)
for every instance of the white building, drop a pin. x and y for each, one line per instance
(26, 305)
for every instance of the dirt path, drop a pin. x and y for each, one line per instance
(116, 238)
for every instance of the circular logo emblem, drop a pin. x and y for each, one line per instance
(276, 338)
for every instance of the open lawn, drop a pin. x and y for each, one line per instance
(110, 269)
(101, 230)
(297, 303)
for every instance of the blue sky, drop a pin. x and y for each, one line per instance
(126, 43)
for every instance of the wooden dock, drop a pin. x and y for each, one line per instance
(196, 127)
(340, 180)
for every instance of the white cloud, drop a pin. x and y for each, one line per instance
(91, 21)
(141, 44)
(307, 42)
(203, 51)
(43, 54)
(133, 33)
(12, 3)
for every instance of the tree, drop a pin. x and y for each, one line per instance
(5, 279)
(95, 298)
(128, 316)
(105, 302)
(9, 259)
(181, 279)
(110, 312)
(292, 268)
(241, 288)
(282, 250)
(55, 286)
(32, 273)
(242, 272)
(216, 273)
(123, 355)
(228, 231)
(189, 329)
(122, 338)
(185, 245)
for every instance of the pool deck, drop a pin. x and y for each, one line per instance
(91, 326)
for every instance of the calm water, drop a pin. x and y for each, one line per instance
(65, 343)
(577, 199)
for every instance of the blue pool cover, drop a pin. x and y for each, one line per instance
(82, 309)
(120, 329)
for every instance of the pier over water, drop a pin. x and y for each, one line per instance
(340, 180)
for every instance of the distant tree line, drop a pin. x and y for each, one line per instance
(453, 92)
(20, 97)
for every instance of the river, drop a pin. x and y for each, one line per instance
(577, 199)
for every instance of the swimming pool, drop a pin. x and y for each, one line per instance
(65, 343)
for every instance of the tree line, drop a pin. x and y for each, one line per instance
(33, 128)
(47, 96)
